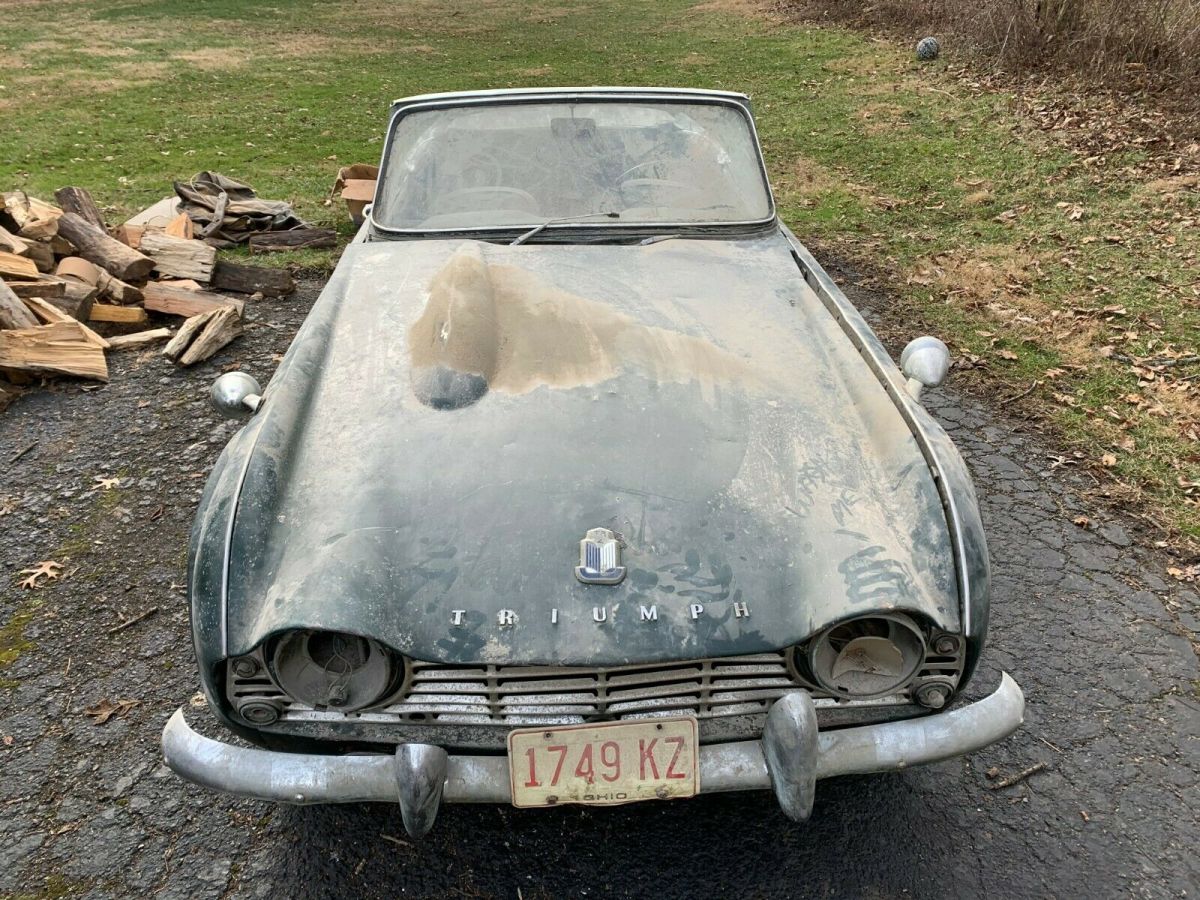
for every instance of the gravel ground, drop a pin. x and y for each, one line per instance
(1087, 623)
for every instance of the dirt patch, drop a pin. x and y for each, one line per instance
(879, 118)
(696, 59)
(755, 9)
(214, 59)
(517, 332)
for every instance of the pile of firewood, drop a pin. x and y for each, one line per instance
(72, 288)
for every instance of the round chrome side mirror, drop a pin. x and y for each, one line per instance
(235, 395)
(924, 362)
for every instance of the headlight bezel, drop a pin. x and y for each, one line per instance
(819, 654)
(372, 682)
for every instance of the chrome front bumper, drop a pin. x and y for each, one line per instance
(789, 759)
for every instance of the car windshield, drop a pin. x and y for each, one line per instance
(508, 165)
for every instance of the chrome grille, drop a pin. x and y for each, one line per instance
(475, 705)
(548, 695)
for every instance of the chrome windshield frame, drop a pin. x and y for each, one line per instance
(425, 102)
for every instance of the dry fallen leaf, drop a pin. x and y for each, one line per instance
(107, 484)
(1082, 521)
(47, 569)
(1007, 354)
(1108, 460)
(106, 709)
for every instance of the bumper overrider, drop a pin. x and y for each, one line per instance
(791, 755)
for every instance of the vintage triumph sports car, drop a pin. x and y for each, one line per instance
(583, 483)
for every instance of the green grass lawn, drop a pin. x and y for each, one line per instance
(1035, 264)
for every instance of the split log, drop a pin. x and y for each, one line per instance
(175, 301)
(13, 266)
(58, 349)
(123, 315)
(60, 246)
(180, 227)
(114, 288)
(296, 239)
(178, 256)
(42, 255)
(203, 335)
(76, 300)
(13, 313)
(158, 215)
(138, 338)
(96, 246)
(229, 276)
(79, 201)
(34, 219)
(51, 314)
(48, 286)
(11, 243)
(129, 235)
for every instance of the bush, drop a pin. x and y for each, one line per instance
(1142, 41)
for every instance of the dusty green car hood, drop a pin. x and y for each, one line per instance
(693, 395)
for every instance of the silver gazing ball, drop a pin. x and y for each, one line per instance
(928, 49)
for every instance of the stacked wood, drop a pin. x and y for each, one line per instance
(122, 315)
(50, 314)
(21, 267)
(40, 252)
(13, 313)
(138, 338)
(34, 219)
(174, 301)
(203, 335)
(77, 200)
(296, 239)
(11, 243)
(45, 286)
(179, 257)
(59, 349)
(229, 276)
(113, 288)
(95, 246)
(71, 296)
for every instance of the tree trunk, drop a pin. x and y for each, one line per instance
(229, 276)
(110, 254)
(296, 239)
(79, 201)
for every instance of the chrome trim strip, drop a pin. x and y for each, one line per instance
(614, 90)
(228, 554)
(478, 98)
(739, 766)
(869, 347)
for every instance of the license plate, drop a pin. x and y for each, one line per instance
(603, 765)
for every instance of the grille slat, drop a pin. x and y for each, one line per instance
(534, 695)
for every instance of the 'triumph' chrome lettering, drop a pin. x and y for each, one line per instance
(602, 615)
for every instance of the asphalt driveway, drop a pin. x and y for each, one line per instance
(1088, 623)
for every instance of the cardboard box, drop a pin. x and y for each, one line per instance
(356, 185)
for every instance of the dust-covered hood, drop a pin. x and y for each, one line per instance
(454, 416)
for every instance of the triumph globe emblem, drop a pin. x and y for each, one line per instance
(600, 558)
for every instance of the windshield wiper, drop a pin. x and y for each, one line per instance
(538, 229)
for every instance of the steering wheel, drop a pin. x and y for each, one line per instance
(469, 199)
